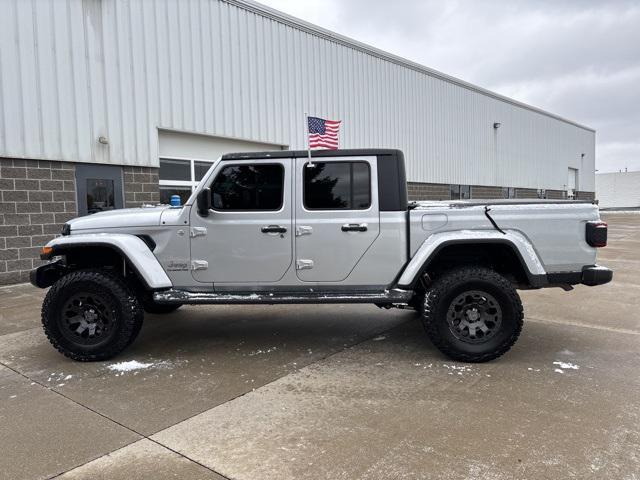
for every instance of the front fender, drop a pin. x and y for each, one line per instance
(130, 247)
(430, 247)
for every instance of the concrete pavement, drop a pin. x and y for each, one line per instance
(333, 392)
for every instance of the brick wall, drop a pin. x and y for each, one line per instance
(585, 195)
(481, 191)
(38, 196)
(428, 191)
(141, 185)
(556, 194)
(526, 193)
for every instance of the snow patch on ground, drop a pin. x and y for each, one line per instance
(379, 338)
(128, 366)
(58, 377)
(134, 365)
(557, 370)
(260, 352)
(567, 365)
(566, 352)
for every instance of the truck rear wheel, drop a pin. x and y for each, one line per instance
(90, 315)
(472, 314)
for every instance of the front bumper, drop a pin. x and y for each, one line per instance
(596, 275)
(46, 275)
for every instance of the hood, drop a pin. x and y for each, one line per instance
(127, 217)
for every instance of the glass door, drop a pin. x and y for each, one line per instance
(99, 188)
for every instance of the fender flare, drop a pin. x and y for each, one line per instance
(130, 247)
(521, 246)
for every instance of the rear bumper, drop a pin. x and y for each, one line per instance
(596, 275)
(592, 275)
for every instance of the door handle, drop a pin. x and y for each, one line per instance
(273, 229)
(354, 227)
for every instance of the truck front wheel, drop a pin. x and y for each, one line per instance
(472, 314)
(91, 315)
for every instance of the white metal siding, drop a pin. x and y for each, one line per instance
(204, 147)
(74, 70)
(618, 190)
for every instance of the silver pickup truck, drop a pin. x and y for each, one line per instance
(336, 227)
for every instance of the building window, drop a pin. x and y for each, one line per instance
(460, 192)
(249, 188)
(180, 176)
(337, 186)
(508, 192)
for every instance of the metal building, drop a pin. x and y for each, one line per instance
(618, 190)
(111, 103)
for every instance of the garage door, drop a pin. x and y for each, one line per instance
(185, 158)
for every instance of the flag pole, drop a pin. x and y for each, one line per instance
(306, 130)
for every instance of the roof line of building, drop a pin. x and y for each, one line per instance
(299, 24)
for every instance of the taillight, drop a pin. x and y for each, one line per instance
(596, 234)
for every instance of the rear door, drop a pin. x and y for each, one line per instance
(247, 236)
(337, 216)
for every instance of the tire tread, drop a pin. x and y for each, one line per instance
(449, 280)
(132, 313)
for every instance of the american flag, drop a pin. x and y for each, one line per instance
(323, 134)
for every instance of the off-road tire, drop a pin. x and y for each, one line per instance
(455, 283)
(118, 302)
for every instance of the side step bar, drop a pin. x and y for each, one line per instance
(186, 297)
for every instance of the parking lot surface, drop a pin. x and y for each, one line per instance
(333, 391)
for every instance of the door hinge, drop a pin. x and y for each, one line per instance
(304, 230)
(197, 231)
(304, 264)
(199, 265)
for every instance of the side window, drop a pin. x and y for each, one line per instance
(460, 192)
(337, 186)
(248, 188)
(508, 192)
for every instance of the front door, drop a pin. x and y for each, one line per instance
(337, 216)
(247, 236)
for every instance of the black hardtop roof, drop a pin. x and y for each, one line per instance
(348, 152)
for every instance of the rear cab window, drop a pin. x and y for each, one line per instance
(337, 185)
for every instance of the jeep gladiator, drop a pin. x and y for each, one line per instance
(334, 227)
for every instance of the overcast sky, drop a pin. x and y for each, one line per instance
(576, 58)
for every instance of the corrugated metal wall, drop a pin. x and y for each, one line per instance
(75, 70)
(618, 190)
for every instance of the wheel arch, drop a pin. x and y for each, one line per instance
(522, 257)
(99, 250)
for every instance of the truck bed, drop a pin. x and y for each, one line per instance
(555, 228)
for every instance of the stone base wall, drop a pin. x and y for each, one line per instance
(483, 192)
(526, 193)
(38, 197)
(428, 191)
(440, 191)
(141, 186)
(556, 194)
(585, 196)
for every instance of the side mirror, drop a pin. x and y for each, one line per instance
(204, 202)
